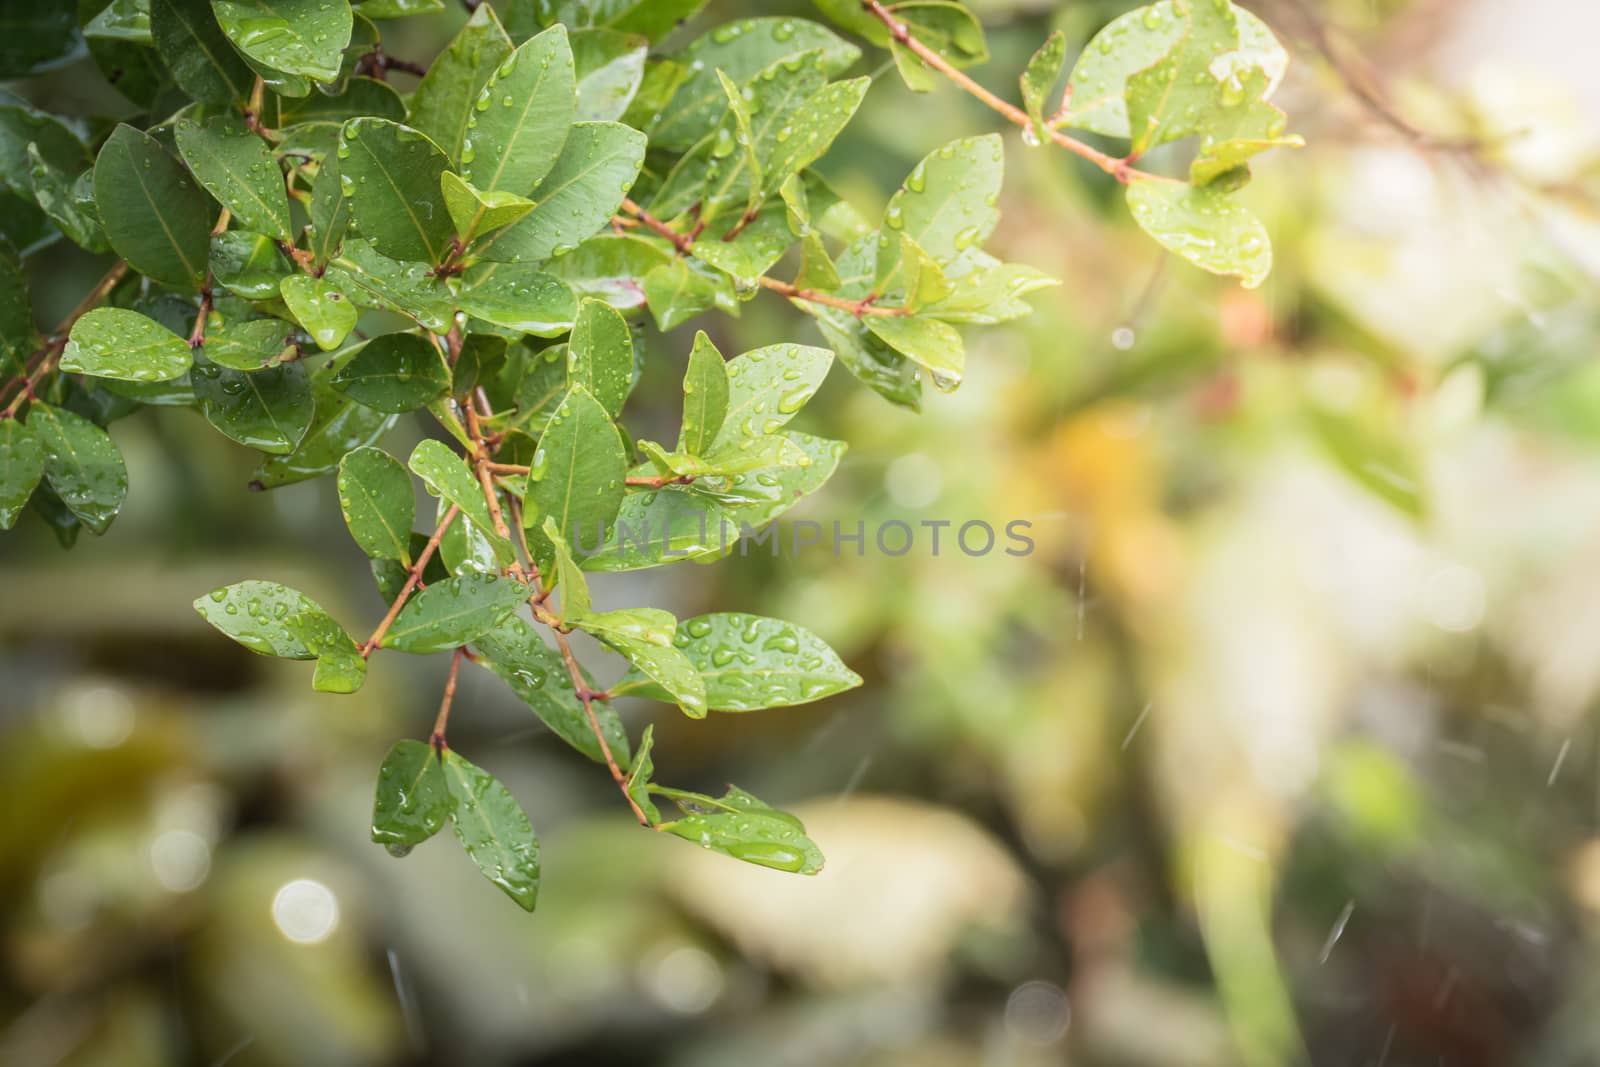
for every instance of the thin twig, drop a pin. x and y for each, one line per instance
(443, 718)
(1120, 169)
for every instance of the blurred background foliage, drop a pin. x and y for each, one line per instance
(1278, 749)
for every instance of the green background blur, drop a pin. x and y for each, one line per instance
(1278, 749)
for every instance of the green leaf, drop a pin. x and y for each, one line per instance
(81, 464)
(338, 425)
(577, 475)
(740, 826)
(299, 37)
(154, 216)
(22, 128)
(121, 20)
(197, 52)
(597, 167)
(412, 800)
(561, 571)
(518, 297)
(247, 346)
(600, 355)
(985, 291)
(756, 498)
(270, 409)
(749, 663)
(373, 280)
(69, 202)
(768, 386)
(740, 50)
(248, 264)
(705, 397)
(947, 203)
(1040, 77)
(662, 526)
(256, 614)
(638, 783)
(679, 290)
(379, 508)
(399, 9)
(817, 269)
(449, 614)
(1245, 126)
(21, 467)
(114, 343)
(522, 116)
(477, 213)
(237, 168)
(391, 175)
(361, 96)
(445, 99)
(493, 829)
(1138, 41)
(644, 637)
(948, 29)
(609, 67)
(661, 81)
(397, 372)
(609, 267)
(448, 478)
(752, 454)
(340, 665)
(651, 18)
(926, 341)
(1204, 226)
(319, 306)
(538, 676)
(329, 211)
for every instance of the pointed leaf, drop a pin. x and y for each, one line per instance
(644, 637)
(448, 478)
(82, 464)
(154, 215)
(947, 203)
(705, 397)
(600, 355)
(412, 800)
(477, 213)
(379, 507)
(522, 116)
(21, 467)
(596, 168)
(493, 829)
(767, 386)
(452, 613)
(577, 474)
(237, 168)
(391, 174)
(445, 99)
(197, 52)
(1040, 77)
(740, 826)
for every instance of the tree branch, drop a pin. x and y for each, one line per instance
(1120, 169)
(411, 581)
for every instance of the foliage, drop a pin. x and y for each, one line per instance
(303, 254)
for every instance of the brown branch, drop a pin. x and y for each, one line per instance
(51, 350)
(412, 579)
(1120, 169)
(443, 718)
(659, 480)
(684, 243)
(588, 697)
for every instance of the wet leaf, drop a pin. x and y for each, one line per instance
(379, 507)
(493, 829)
(81, 464)
(397, 372)
(197, 52)
(445, 99)
(451, 613)
(448, 477)
(154, 215)
(270, 409)
(297, 37)
(391, 176)
(600, 355)
(21, 467)
(321, 307)
(1204, 226)
(520, 119)
(237, 168)
(412, 801)
(256, 614)
(116, 343)
(705, 397)
(743, 827)
(577, 475)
